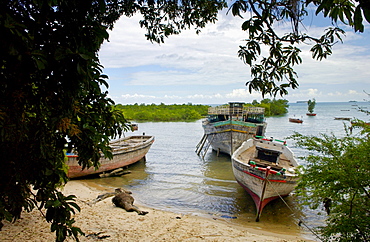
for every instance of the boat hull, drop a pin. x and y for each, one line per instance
(263, 182)
(253, 180)
(295, 120)
(227, 136)
(125, 152)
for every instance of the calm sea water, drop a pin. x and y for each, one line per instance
(174, 178)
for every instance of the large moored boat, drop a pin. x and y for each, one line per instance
(228, 126)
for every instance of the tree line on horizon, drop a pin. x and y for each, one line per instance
(189, 111)
(163, 112)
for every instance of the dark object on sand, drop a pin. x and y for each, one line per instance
(123, 199)
(97, 236)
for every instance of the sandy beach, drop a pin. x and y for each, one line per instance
(110, 223)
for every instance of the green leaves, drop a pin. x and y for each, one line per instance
(249, 52)
(273, 107)
(59, 212)
(324, 45)
(345, 11)
(274, 73)
(237, 7)
(51, 92)
(311, 105)
(357, 19)
(338, 169)
(164, 18)
(272, 68)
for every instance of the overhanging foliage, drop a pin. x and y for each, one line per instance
(273, 71)
(51, 97)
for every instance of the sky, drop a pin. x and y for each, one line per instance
(205, 68)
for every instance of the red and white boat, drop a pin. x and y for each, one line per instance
(311, 114)
(265, 168)
(295, 120)
(125, 151)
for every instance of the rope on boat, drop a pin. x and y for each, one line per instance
(300, 221)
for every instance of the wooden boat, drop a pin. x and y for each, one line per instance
(342, 118)
(265, 168)
(134, 127)
(228, 126)
(126, 151)
(311, 114)
(295, 120)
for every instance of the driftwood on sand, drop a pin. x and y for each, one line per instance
(116, 172)
(101, 197)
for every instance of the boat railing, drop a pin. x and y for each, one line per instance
(227, 110)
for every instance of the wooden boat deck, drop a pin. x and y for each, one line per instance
(127, 142)
(249, 155)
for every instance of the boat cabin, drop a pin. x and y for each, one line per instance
(267, 154)
(236, 111)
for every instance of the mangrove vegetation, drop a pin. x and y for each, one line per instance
(163, 112)
(189, 112)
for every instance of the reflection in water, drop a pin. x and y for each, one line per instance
(219, 182)
(137, 175)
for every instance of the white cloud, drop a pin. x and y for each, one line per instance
(349, 93)
(205, 68)
(129, 96)
(242, 94)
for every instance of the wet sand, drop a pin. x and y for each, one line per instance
(115, 224)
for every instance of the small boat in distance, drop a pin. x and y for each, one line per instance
(265, 168)
(134, 127)
(311, 114)
(295, 120)
(228, 126)
(342, 118)
(125, 151)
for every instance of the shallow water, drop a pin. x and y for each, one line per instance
(174, 178)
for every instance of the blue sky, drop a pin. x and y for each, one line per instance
(205, 68)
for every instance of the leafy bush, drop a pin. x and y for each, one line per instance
(337, 178)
